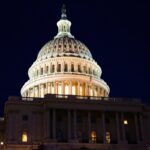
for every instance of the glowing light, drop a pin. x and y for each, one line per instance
(108, 138)
(81, 91)
(125, 122)
(73, 90)
(52, 89)
(24, 137)
(59, 89)
(93, 136)
(42, 91)
(36, 92)
(66, 89)
(95, 92)
(91, 92)
(2, 143)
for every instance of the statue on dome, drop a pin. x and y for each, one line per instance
(63, 12)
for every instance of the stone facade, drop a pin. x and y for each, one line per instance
(73, 122)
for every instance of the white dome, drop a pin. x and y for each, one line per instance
(64, 46)
(65, 66)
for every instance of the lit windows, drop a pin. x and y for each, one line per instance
(59, 89)
(24, 137)
(59, 68)
(66, 89)
(93, 136)
(81, 90)
(125, 122)
(1, 143)
(108, 138)
(73, 90)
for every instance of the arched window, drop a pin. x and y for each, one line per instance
(73, 90)
(46, 69)
(93, 72)
(108, 138)
(53, 68)
(93, 137)
(72, 68)
(59, 88)
(66, 68)
(24, 137)
(79, 68)
(85, 69)
(58, 67)
(81, 90)
(66, 89)
(41, 71)
(37, 72)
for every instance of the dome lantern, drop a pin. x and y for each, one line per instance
(63, 25)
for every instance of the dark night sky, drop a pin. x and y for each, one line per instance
(116, 32)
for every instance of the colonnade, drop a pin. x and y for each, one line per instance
(66, 66)
(66, 88)
(50, 132)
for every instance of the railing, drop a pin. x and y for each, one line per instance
(78, 97)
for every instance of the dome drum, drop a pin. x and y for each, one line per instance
(64, 65)
(58, 85)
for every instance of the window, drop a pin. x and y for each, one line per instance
(46, 71)
(72, 68)
(73, 90)
(93, 137)
(53, 68)
(79, 68)
(66, 89)
(59, 68)
(66, 68)
(93, 120)
(85, 70)
(24, 137)
(108, 138)
(1, 143)
(79, 119)
(125, 122)
(25, 117)
(41, 71)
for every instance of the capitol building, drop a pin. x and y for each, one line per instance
(65, 104)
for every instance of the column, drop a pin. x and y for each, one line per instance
(69, 125)
(86, 89)
(141, 127)
(136, 128)
(123, 127)
(35, 91)
(39, 91)
(55, 86)
(118, 127)
(98, 91)
(54, 124)
(104, 128)
(47, 125)
(63, 88)
(48, 88)
(78, 92)
(89, 126)
(75, 124)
